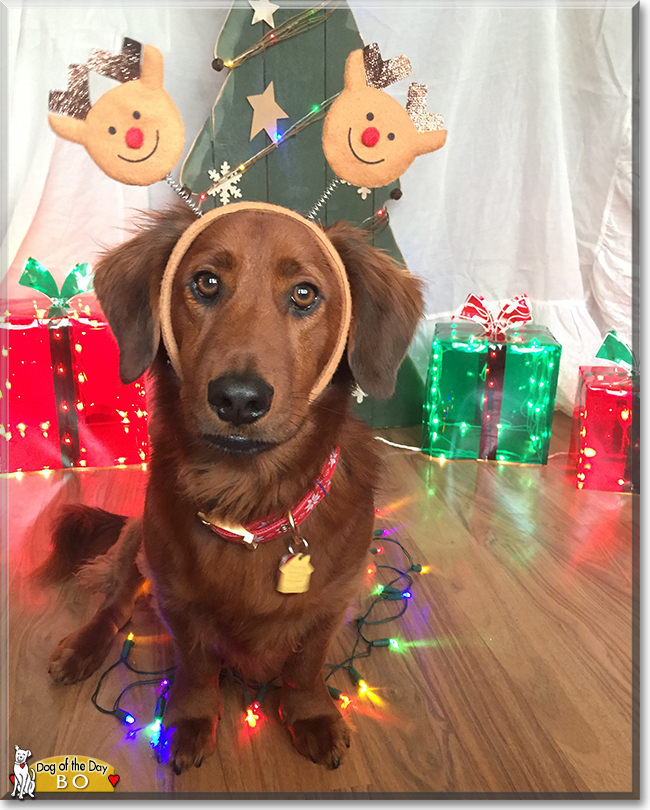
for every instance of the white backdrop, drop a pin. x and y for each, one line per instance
(531, 193)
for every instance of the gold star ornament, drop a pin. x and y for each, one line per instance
(263, 11)
(266, 112)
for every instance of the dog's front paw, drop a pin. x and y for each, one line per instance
(76, 657)
(192, 739)
(323, 739)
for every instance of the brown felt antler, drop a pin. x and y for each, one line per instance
(416, 107)
(380, 74)
(75, 101)
(123, 66)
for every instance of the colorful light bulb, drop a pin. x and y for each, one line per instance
(251, 717)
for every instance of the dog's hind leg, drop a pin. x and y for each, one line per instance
(81, 653)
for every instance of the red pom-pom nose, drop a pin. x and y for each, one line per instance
(134, 138)
(370, 136)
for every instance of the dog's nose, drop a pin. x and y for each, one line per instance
(240, 398)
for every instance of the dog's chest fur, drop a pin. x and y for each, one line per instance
(225, 594)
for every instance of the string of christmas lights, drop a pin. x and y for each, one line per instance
(384, 592)
(291, 27)
(122, 715)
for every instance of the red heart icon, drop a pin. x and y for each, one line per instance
(113, 778)
(12, 778)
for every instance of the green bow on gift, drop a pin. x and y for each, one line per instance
(79, 280)
(618, 351)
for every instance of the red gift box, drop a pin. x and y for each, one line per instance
(606, 445)
(63, 404)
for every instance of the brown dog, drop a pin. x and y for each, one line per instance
(241, 440)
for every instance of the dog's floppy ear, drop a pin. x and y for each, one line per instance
(127, 281)
(28, 754)
(386, 307)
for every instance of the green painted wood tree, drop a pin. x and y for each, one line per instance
(306, 69)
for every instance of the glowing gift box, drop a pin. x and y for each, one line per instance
(491, 395)
(63, 404)
(607, 424)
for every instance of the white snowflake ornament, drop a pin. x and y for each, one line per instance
(363, 191)
(359, 394)
(225, 183)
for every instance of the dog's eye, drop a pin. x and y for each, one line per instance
(206, 284)
(304, 295)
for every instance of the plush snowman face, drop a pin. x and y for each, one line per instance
(369, 139)
(134, 132)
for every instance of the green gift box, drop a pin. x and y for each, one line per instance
(490, 398)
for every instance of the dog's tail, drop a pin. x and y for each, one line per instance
(80, 533)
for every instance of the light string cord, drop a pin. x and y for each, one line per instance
(388, 593)
(395, 444)
(122, 660)
(95, 694)
(291, 27)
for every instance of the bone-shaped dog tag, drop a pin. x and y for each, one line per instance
(294, 573)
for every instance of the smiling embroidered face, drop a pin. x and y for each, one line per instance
(134, 132)
(369, 139)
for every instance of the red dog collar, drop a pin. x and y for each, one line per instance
(263, 530)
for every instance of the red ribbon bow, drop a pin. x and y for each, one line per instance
(514, 312)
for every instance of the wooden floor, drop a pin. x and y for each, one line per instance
(518, 678)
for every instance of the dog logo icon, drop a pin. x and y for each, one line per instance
(23, 776)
